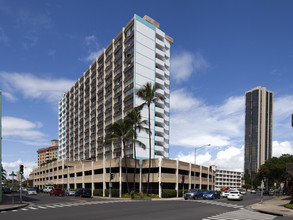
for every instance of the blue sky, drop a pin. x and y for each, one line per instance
(221, 49)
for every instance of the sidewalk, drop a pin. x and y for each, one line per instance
(7, 203)
(274, 206)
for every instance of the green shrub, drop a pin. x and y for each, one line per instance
(140, 196)
(167, 193)
(289, 206)
(180, 192)
(98, 192)
(114, 192)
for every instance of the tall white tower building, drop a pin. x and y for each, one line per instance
(106, 92)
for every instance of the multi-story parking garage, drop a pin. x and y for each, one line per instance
(165, 174)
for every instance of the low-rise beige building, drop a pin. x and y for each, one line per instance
(165, 174)
(48, 153)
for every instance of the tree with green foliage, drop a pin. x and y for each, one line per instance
(3, 173)
(134, 117)
(120, 131)
(275, 169)
(148, 94)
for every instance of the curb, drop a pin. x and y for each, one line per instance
(13, 207)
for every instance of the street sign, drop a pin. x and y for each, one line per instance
(12, 174)
(262, 185)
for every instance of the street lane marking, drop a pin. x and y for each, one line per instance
(219, 204)
(242, 215)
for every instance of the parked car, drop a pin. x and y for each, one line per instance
(47, 189)
(6, 190)
(57, 192)
(23, 189)
(13, 190)
(193, 194)
(253, 191)
(235, 195)
(31, 191)
(69, 192)
(211, 194)
(83, 193)
(243, 191)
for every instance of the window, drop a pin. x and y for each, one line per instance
(128, 72)
(128, 32)
(118, 71)
(129, 41)
(128, 92)
(128, 53)
(118, 52)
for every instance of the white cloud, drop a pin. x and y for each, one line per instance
(14, 166)
(93, 55)
(33, 87)
(193, 123)
(24, 131)
(94, 49)
(280, 148)
(9, 96)
(231, 158)
(186, 63)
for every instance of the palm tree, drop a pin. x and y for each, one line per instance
(134, 117)
(120, 131)
(148, 94)
(3, 173)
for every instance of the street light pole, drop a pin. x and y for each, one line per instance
(194, 185)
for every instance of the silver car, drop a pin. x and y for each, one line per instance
(31, 191)
(69, 192)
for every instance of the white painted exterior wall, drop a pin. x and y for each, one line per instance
(61, 130)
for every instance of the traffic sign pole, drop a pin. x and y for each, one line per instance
(13, 175)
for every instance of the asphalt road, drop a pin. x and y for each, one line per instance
(45, 207)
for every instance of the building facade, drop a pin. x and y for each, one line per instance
(106, 92)
(1, 145)
(48, 153)
(228, 179)
(258, 129)
(165, 174)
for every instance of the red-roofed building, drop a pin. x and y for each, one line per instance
(48, 153)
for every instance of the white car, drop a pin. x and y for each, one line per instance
(31, 191)
(235, 195)
(226, 193)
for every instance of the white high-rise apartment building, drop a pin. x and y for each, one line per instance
(106, 92)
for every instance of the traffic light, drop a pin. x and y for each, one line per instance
(261, 172)
(21, 169)
(264, 179)
(182, 179)
(111, 176)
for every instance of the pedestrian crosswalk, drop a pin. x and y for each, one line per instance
(212, 202)
(241, 214)
(69, 204)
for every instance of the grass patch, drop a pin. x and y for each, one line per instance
(289, 206)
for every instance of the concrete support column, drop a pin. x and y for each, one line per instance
(200, 174)
(120, 177)
(177, 176)
(160, 177)
(75, 176)
(208, 178)
(140, 176)
(93, 185)
(82, 172)
(189, 179)
(104, 179)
